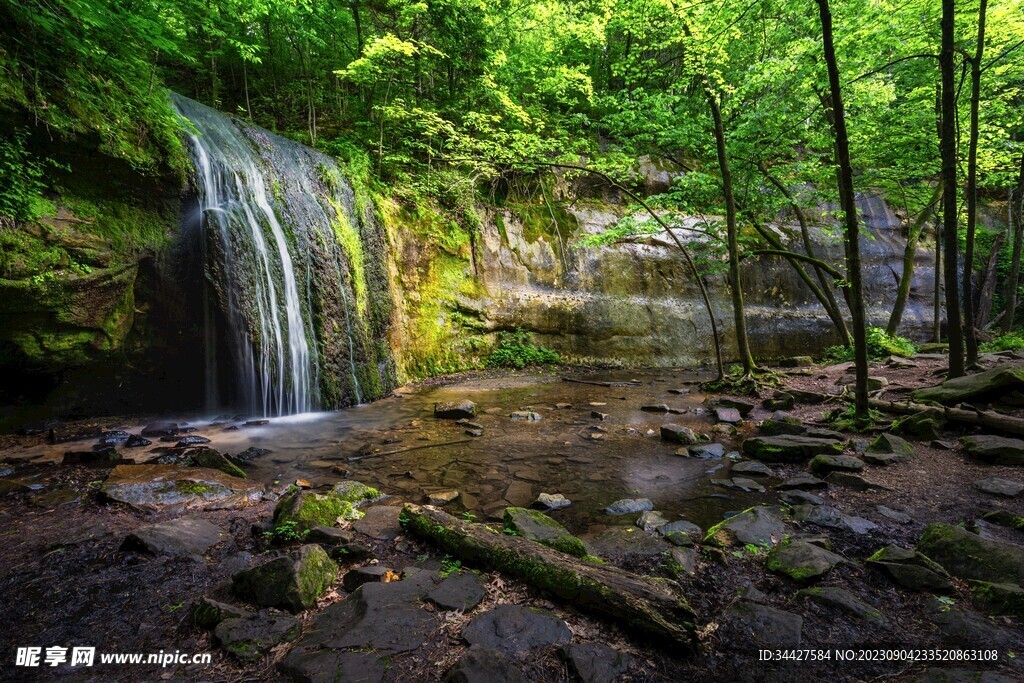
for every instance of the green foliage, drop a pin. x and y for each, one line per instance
(286, 532)
(21, 179)
(880, 346)
(449, 566)
(514, 350)
(1007, 342)
(845, 420)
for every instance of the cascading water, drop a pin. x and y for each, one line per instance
(282, 282)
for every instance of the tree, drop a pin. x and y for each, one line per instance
(972, 190)
(947, 148)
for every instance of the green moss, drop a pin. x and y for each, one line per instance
(351, 243)
(316, 573)
(193, 488)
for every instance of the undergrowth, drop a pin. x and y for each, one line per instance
(514, 350)
(880, 347)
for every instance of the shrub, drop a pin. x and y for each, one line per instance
(880, 347)
(1007, 342)
(514, 350)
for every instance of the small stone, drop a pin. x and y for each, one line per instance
(257, 423)
(789, 448)
(207, 613)
(707, 451)
(823, 464)
(853, 482)
(563, 406)
(825, 516)
(552, 501)
(757, 526)
(191, 440)
(371, 573)
(160, 429)
(801, 561)
(728, 415)
(527, 415)
(651, 520)
(779, 401)
(380, 522)
(1000, 487)
(135, 441)
(328, 536)
(454, 410)
(752, 468)
(894, 515)
(442, 497)
(678, 434)
(655, 408)
(249, 638)
(461, 591)
(741, 405)
(798, 497)
(883, 459)
(911, 569)
(628, 506)
(890, 443)
(681, 532)
(597, 415)
(684, 561)
(803, 481)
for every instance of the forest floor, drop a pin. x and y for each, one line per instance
(66, 581)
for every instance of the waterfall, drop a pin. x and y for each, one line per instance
(297, 304)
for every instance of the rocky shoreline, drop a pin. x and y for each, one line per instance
(905, 537)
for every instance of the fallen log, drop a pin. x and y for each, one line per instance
(650, 606)
(981, 418)
(601, 384)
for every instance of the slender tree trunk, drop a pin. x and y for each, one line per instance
(972, 190)
(987, 286)
(1013, 282)
(948, 152)
(937, 291)
(359, 28)
(909, 252)
(743, 345)
(848, 202)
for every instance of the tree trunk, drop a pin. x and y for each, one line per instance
(903, 290)
(947, 146)
(988, 284)
(1013, 282)
(972, 190)
(937, 291)
(652, 608)
(743, 345)
(848, 203)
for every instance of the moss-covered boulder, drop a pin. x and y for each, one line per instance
(889, 443)
(970, 556)
(292, 582)
(538, 527)
(207, 457)
(998, 598)
(824, 464)
(911, 569)
(151, 487)
(249, 638)
(789, 448)
(781, 423)
(991, 385)
(759, 526)
(305, 510)
(842, 600)
(995, 450)
(801, 561)
(207, 613)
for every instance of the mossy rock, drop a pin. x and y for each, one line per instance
(355, 492)
(292, 582)
(758, 526)
(249, 638)
(970, 556)
(207, 613)
(216, 461)
(924, 426)
(991, 384)
(911, 569)
(824, 464)
(307, 510)
(998, 598)
(538, 527)
(1004, 518)
(801, 561)
(789, 448)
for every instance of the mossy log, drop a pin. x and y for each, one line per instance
(652, 607)
(981, 418)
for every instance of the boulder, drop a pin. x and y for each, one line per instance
(678, 434)
(889, 443)
(155, 486)
(782, 423)
(752, 468)
(1000, 487)
(595, 662)
(333, 665)
(552, 501)
(995, 450)
(803, 480)
(681, 532)
(727, 415)
(629, 506)
(970, 556)
(852, 481)
(998, 598)
(307, 509)
(459, 591)
(207, 457)
(822, 515)
(249, 638)
(789, 448)
(480, 664)
(182, 537)
(371, 573)
(765, 625)
(538, 527)
(842, 600)
(380, 522)
(207, 613)
(823, 464)
(516, 628)
(988, 386)
(801, 561)
(758, 526)
(454, 410)
(911, 569)
(292, 582)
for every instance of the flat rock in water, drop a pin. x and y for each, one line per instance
(629, 506)
(843, 600)
(727, 415)
(678, 434)
(595, 662)
(536, 526)
(442, 497)
(552, 501)
(825, 516)
(681, 532)
(625, 540)
(801, 561)
(480, 664)
(708, 451)
(156, 486)
(823, 464)
(788, 448)
(454, 410)
(516, 628)
(757, 526)
(740, 405)
(739, 484)
(752, 468)
(802, 481)
(970, 556)
(798, 497)
(380, 522)
(1000, 487)
(655, 408)
(995, 450)
(249, 638)
(765, 625)
(180, 537)
(160, 429)
(527, 415)
(462, 591)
